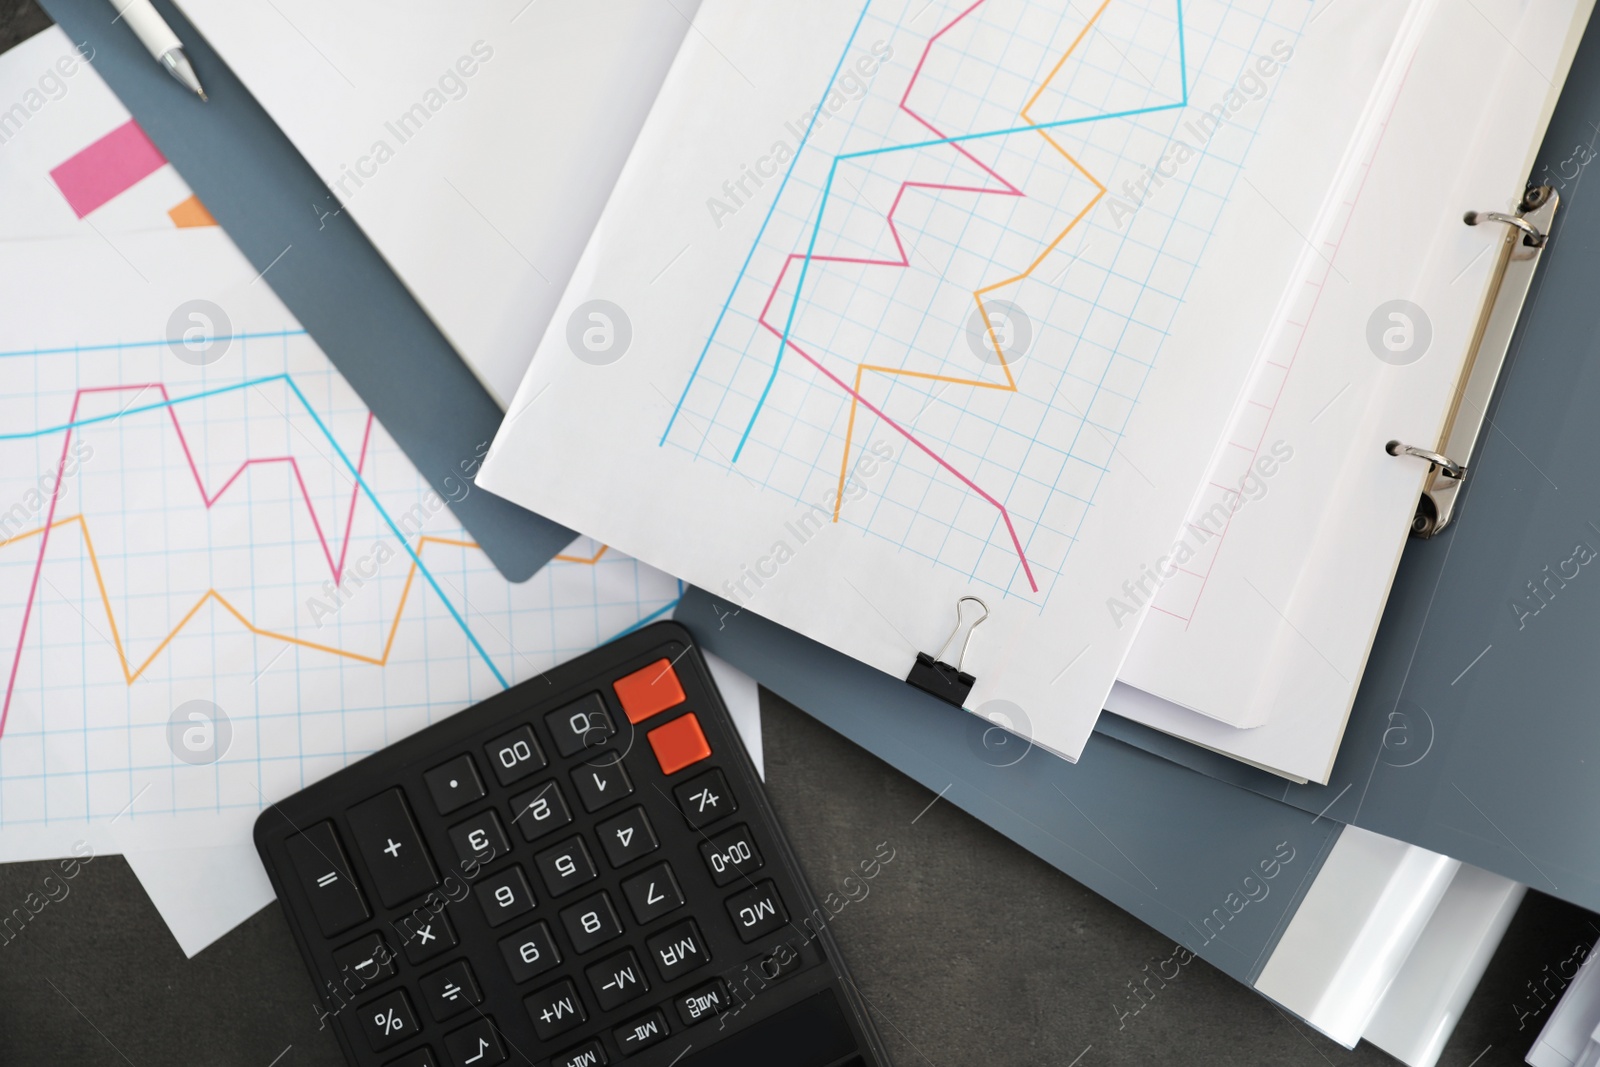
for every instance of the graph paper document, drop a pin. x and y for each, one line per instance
(204, 892)
(901, 302)
(220, 580)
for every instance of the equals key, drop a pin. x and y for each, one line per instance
(325, 877)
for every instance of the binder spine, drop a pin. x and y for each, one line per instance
(1522, 243)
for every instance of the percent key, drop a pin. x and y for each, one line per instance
(388, 1020)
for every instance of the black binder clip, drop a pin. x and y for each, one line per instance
(932, 674)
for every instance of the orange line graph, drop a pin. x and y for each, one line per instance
(590, 560)
(131, 675)
(1010, 384)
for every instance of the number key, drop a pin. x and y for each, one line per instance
(504, 896)
(515, 756)
(529, 953)
(479, 839)
(581, 725)
(591, 922)
(565, 867)
(541, 811)
(653, 893)
(601, 785)
(627, 837)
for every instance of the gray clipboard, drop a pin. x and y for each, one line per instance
(276, 209)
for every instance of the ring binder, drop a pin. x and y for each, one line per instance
(1450, 467)
(933, 675)
(1485, 356)
(1533, 237)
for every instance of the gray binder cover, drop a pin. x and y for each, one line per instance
(1476, 732)
(268, 199)
(1185, 853)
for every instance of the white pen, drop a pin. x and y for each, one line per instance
(154, 33)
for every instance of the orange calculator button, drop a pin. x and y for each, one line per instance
(679, 743)
(649, 691)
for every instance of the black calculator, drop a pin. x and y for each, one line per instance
(582, 870)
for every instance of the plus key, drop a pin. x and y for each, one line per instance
(386, 836)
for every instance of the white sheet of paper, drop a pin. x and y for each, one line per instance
(475, 144)
(854, 489)
(202, 893)
(177, 649)
(1280, 628)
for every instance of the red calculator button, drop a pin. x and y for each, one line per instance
(649, 691)
(679, 743)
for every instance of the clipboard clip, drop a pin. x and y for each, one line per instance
(1522, 242)
(933, 675)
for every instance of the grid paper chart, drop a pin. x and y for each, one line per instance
(981, 264)
(218, 584)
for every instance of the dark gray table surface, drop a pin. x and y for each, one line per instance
(968, 949)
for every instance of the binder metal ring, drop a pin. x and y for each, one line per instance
(1533, 237)
(1447, 466)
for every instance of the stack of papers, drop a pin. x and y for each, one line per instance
(1053, 309)
(219, 577)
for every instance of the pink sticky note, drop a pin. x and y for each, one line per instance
(107, 168)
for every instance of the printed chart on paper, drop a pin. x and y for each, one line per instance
(981, 263)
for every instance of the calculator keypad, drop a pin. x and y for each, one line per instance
(602, 953)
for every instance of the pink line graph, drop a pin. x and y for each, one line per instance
(904, 262)
(208, 499)
(1004, 515)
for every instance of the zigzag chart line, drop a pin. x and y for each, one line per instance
(168, 403)
(807, 257)
(131, 675)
